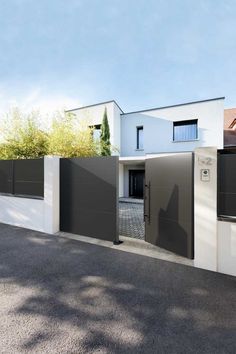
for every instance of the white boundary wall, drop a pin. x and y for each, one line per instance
(226, 255)
(36, 214)
(214, 241)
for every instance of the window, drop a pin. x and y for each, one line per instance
(139, 138)
(96, 131)
(185, 130)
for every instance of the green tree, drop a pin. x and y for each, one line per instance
(68, 138)
(105, 136)
(22, 136)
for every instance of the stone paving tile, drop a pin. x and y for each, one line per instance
(131, 222)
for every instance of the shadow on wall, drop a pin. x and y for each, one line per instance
(158, 136)
(67, 296)
(171, 235)
(88, 197)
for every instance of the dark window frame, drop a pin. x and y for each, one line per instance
(138, 129)
(185, 123)
(95, 126)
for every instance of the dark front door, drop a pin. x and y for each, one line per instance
(136, 183)
(89, 197)
(169, 203)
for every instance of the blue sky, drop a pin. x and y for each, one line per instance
(141, 53)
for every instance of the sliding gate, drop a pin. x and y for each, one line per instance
(89, 197)
(168, 204)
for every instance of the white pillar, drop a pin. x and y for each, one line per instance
(51, 194)
(205, 208)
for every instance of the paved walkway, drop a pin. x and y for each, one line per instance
(131, 200)
(64, 296)
(131, 220)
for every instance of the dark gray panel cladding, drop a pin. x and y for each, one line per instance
(29, 177)
(22, 177)
(89, 196)
(6, 174)
(169, 203)
(227, 184)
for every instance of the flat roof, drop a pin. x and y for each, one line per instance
(93, 105)
(145, 110)
(175, 105)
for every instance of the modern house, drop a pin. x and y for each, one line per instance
(141, 134)
(190, 203)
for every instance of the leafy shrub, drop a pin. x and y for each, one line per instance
(25, 136)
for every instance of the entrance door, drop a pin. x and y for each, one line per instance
(89, 197)
(136, 183)
(168, 206)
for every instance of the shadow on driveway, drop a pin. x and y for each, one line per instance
(65, 296)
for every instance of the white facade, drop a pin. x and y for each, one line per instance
(93, 115)
(158, 128)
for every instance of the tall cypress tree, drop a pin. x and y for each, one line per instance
(105, 136)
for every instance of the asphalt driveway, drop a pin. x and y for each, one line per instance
(64, 296)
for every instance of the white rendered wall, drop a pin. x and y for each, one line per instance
(93, 115)
(205, 209)
(214, 241)
(36, 214)
(226, 254)
(158, 128)
(116, 133)
(51, 194)
(28, 213)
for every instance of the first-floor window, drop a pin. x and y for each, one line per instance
(96, 131)
(185, 130)
(139, 138)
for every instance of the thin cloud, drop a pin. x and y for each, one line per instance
(36, 100)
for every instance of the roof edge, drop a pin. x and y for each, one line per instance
(175, 105)
(93, 105)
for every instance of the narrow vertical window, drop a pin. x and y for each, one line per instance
(139, 138)
(96, 131)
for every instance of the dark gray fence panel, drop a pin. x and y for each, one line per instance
(29, 177)
(227, 184)
(6, 174)
(169, 203)
(22, 177)
(89, 197)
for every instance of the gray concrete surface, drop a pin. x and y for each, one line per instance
(132, 245)
(64, 296)
(131, 222)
